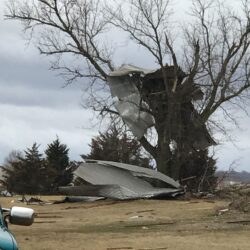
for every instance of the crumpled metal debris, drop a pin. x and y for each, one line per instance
(122, 182)
(136, 93)
(128, 101)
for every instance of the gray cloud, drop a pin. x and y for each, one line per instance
(23, 95)
(21, 127)
(33, 105)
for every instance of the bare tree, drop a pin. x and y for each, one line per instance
(211, 73)
(223, 69)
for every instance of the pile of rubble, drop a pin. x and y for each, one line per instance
(238, 194)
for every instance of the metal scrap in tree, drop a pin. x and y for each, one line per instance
(141, 95)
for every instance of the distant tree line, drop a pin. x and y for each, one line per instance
(31, 173)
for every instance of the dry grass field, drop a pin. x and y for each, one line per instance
(136, 225)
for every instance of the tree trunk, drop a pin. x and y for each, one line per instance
(169, 163)
(164, 158)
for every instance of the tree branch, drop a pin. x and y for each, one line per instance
(148, 147)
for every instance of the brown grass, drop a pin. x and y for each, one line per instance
(137, 225)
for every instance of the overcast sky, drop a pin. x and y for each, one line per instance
(35, 108)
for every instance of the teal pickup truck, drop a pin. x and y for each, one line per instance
(17, 216)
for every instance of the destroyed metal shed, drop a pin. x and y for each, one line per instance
(121, 181)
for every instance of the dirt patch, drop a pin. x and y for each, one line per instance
(137, 225)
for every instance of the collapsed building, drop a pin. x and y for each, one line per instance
(121, 181)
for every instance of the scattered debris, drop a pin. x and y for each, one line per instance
(245, 222)
(238, 194)
(135, 217)
(5, 193)
(48, 216)
(122, 182)
(222, 211)
(119, 248)
(44, 222)
(241, 204)
(152, 224)
(109, 203)
(161, 248)
(33, 201)
(145, 211)
(233, 191)
(73, 199)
